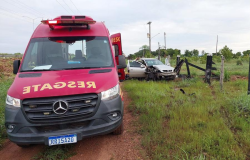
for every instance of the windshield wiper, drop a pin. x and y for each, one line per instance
(37, 70)
(80, 68)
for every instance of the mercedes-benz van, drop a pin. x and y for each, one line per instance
(67, 85)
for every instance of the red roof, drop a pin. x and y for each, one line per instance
(97, 29)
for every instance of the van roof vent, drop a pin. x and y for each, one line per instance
(79, 17)
(66, 17)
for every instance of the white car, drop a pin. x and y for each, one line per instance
(150, 68)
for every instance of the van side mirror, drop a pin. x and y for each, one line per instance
(122, 62)
(16, 65)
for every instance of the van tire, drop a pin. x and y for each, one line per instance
(23, 145)
(118, 130)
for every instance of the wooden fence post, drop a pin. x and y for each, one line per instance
(248, 92)
(208, 69)
(222, 72)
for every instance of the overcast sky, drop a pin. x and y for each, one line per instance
(189, 24)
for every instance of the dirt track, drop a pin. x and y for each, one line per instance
(106, 147)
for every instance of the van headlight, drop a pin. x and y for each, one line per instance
(111, 93)
(12, 101)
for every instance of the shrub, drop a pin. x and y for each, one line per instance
(239, 62)
(245, 58)
(203, 59)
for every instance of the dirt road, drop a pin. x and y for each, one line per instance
(106, 147)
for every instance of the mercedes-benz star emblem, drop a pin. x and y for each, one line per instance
(60, 107)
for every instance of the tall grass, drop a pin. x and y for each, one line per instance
(191, 125)
(4, 86)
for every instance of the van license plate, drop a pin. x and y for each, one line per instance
(72, 138)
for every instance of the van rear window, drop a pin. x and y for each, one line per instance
(59, 53)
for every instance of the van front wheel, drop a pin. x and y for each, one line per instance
(118, 130)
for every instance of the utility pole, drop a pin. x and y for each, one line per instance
(216, 44)
(33, 20)
(159, 52)
(165, 40)
(149, 23)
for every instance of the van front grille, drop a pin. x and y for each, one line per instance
(42, 110)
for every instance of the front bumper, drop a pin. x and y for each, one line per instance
(165, 74)
(101, 122)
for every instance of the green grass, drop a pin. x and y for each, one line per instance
(210, 123)
(4, 86)
(56, 152)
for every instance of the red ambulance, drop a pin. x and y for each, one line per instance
(67, 85)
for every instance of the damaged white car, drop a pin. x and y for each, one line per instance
(150, 68)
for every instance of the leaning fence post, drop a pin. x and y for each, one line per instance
(208, 69)
(188, 71)
(222, 72)
(248, 92)
(177, 60)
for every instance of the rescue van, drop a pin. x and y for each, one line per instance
(67, 85)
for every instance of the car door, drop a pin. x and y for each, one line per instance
(135, 70)
(117, 47)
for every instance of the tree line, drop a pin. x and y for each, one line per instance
(225, 51)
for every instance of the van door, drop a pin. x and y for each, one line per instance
(117, 47)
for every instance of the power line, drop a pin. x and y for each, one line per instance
(17, 17)
(75, 7)
(18, 6)
(8, 10)
(35, 11)
(62, 6)
(68, 6)
(13, 13)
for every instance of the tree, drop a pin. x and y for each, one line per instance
(246, 53)
(188, 53)
(203, 52)
(195, 53)
(145, 47)
(176, 52)
(131, 56)
(227, 53)
(237, 55)
(170, 52)
(147, 54)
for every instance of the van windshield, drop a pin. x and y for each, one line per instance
(60, 53)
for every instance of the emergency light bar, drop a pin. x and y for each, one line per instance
(69, 21)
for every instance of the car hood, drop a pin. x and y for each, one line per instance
(163, 67)
(60, 83)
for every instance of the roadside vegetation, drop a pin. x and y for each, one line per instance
(4, 86)
(203, 123)
(61, 152)
(6, 78)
